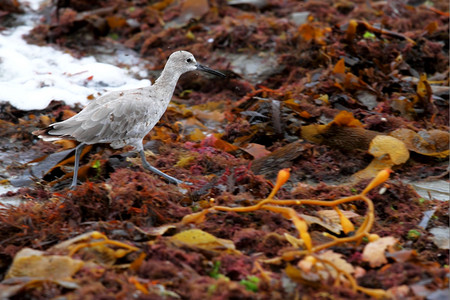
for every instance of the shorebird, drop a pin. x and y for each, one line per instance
(123, 118)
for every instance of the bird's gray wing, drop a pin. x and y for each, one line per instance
(108, 121)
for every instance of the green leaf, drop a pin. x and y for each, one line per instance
(185, 93)
(114, 36)
(215, 270)
(369, 35)
(413, 234)
(251, 283)
(97, 164)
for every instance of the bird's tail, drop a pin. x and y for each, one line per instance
(46, 135)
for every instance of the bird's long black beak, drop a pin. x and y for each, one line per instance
(211, 71)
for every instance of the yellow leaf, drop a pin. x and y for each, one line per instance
(324, 98)
(388, 152)
(422, 85)
(201, 239)
(186, 160)
(372, 170)
(293, 273)
(387, 145)
(196, 135)
(197, 217)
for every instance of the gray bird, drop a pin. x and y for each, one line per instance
(125, 117)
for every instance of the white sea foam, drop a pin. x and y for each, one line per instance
(31, 76)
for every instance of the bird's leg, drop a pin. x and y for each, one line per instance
(78, 151)
(155, 170)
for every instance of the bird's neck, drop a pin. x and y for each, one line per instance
(167, 82)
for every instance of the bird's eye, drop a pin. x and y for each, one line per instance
(189, 60)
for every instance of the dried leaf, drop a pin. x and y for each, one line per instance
(339, 68)
(87, 236)
(45, 120)
(156, 231)
(345, 118)
(116, 22)
(191, 9)
(313, 33)
(67, 114)
(215, 141)
(333, 216)
(161, 133)
(66, 144)
(13, 286)
(33, 263)
(315, 268)
(337, 260)
(217, 116)
(422, 86)
(426, 142)
(307, 263)
(295, 242)
(256, 150)
(441, 237)
(334, 227)
(399, 292)
(431, 27)
(374, 251)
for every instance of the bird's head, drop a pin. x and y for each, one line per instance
(183, 61)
